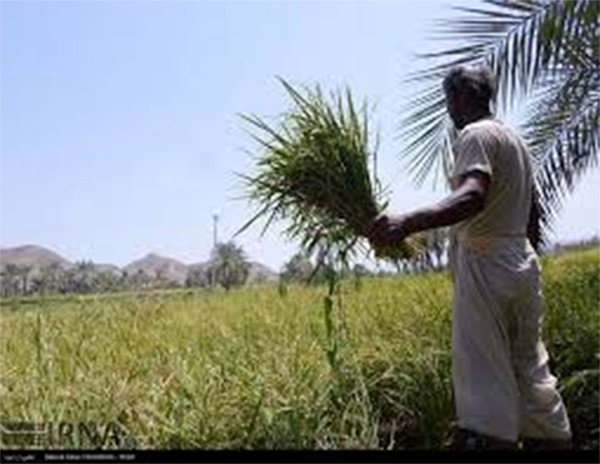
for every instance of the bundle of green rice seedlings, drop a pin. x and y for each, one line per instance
(313, 171)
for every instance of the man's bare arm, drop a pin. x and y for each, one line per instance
(465, 202)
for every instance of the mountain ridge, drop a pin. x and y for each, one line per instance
(152, 264)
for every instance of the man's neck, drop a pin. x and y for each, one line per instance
(474, 116)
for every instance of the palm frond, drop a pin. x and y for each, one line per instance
(542, 48)
(562, 131)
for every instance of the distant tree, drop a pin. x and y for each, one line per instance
(432, 257)
(196, 277)
(141, 280)
(67, 281)
(24, 274)
(37, 285)
(15, 280)
(47, 280)
(125, 280)
(83, 277)
(228, 266)
(298, 268)
(105, 281)
(10, 280)
(3, 284)
(134, 280)
(50, 278)
(161, 279)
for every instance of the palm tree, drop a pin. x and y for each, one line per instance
(84, 276)
(15, 279)
(543, 52)
(228, 266)
(50, 278)
(24, 274)
(10, 280)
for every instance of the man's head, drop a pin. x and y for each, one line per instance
(469, 91)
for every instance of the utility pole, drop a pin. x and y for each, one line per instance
(215, 236)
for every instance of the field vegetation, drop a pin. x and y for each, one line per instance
(258, 368)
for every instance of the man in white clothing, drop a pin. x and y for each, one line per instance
(503, 387)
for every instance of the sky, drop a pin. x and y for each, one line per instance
(120, 128)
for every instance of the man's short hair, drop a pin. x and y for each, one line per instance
(476, 81)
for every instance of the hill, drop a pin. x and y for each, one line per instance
(157, 266)
(153, 265)
(33, 256)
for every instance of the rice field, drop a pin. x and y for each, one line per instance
(256, 369)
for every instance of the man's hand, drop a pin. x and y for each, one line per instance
(387, 231)
(467, 200)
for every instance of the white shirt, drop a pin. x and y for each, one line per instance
(491, 147)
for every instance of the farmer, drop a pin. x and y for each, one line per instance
(503, 387)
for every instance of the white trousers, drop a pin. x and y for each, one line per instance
(502, 383)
